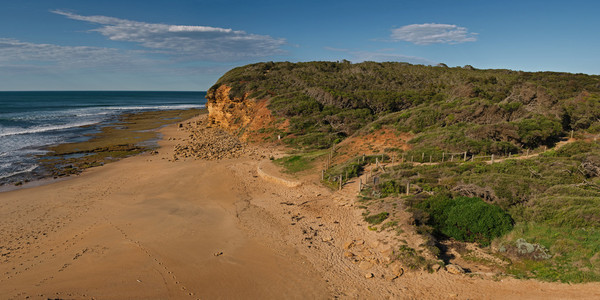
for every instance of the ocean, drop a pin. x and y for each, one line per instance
(32, 121)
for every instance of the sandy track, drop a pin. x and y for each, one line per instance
(150, 228)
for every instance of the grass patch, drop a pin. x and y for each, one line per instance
(377, 218)
(294, 163)
(575, 253)
(300, 161)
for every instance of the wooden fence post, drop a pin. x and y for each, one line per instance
(492, 158)
(359, 185)
(340, 182)
(443, 156)
(423, 157)
(465, 156)
(429, 158)
(407, 188)
(322, 174)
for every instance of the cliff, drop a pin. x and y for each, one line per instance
(245, 116)
(231, 113)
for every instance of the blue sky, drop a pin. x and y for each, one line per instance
(189, 44)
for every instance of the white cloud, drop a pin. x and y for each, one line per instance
(186, 42)
(25, 56)
(431, 33)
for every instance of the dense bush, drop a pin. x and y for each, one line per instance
(391, 187)
(467, 219)
(540, 130)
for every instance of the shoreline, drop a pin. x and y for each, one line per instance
(71, 158)
(150, 226)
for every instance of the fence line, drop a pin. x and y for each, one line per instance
(433, 158)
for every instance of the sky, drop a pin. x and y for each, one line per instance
(187, 45)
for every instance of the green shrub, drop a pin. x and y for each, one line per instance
(537, 131)
(391, 187)
(467, 219)
(575, 148)
(377, 219)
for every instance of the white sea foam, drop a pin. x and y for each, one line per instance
(157, 107)
(38, 129)
(27, 170)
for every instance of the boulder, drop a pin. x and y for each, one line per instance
(455, 269)
(396, 269)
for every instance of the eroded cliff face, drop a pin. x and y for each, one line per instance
(229, 113)
(237, 114)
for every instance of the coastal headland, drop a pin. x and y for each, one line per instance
(164, 225)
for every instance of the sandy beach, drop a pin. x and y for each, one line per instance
(149, 227)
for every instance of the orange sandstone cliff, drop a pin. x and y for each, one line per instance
(242, 115)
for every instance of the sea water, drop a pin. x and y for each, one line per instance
(32, 121)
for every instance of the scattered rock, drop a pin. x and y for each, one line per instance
(369, 275)
(455, 269)
(209, 143)
(218, 253)
(348, 245)
(532, 251)
(396, 269)
(348, 254)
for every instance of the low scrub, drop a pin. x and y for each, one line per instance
(467, 219)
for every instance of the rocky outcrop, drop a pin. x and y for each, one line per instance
(245, 116)
(231, 113)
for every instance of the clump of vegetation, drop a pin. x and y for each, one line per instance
(377, 218)
(412, 260)
(294, 163)
(467, 219)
